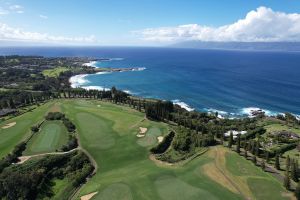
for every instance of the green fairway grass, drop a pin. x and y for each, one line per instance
(10, 137)
(124, 171)
(108, 133)
(54, 72)
(262, 185)
(51, 137)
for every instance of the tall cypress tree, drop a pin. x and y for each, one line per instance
(287, 163)
(238, 144)
(287, 181)
(294, 173)
(230, 142)
(277, 163)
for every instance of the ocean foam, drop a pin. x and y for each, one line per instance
(249, 110)
(78, 80)
(183, 105)
(90, 64)
(103, 73)
(94, 87)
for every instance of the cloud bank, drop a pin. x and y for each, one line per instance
(8, 33)
(260, 25)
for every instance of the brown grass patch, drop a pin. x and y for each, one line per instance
(55, 108)
(215, 174)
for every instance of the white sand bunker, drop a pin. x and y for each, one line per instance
(88, 196)
(23, 159)
(142, 132)
(9, 125)
(160, 139)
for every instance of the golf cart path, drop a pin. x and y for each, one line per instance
(22, 159)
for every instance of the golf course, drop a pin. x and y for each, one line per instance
(118, 139)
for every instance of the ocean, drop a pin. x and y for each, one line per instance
(230, 82)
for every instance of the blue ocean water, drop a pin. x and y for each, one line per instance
(231, 82)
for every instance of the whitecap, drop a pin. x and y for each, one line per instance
(90, 64)
(78, 80)
(103, 73)
(250, 110)
(183, 105)
(94, 87)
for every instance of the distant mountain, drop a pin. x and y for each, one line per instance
(255, 46)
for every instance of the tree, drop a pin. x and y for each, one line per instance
(297, 191)
(254, 160)
(246, 154)
(277, 163)
(263, 165)
(267, 156)
(230, 142)
(294, 171)
(287, 163)
(257, 149)
(287, 181)
(238, 144)
(11, 103)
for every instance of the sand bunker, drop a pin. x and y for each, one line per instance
(23, 159)
(9, 125)
(88, 196)
(142, 132)
(160, 139)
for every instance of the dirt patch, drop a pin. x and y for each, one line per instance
(88, 196)
(160, 139)
(159, 162)
(288, 195)
(213, 173)
(9, 125)
(142, 132)
(55, 108)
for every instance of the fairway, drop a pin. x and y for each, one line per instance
(54, 72)
(51, 137)
(10, 137)
(124, 171)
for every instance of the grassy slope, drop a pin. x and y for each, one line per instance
(261, 185)
(52, 136)
(108, 133)
(54, 72)
(12, 136)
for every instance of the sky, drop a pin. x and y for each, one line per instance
(146, 22)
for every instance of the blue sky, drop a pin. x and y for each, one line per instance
(140, 22)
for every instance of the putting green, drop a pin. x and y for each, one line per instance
(118, 191)
(10, 137)
(51, 137)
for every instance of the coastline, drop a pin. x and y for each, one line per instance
(79, 81)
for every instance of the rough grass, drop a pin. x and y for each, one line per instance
(10, 137)
(54, 72)
(51, 137)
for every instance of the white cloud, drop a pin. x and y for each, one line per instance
(43, 16)
(3, 11)
(8, 33)
(16, 8)
(260, 25)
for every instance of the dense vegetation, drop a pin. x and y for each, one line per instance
(32, 179)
